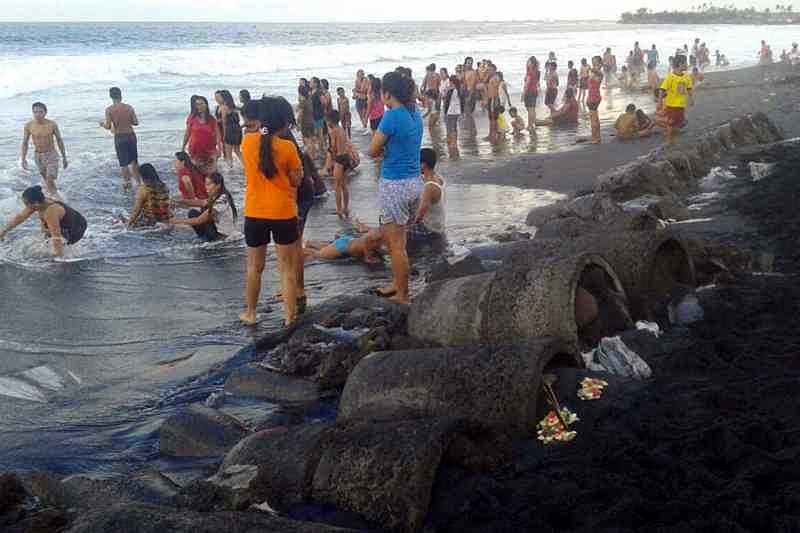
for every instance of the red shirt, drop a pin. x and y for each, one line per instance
(198, 184)
(202, 136)
(594, 91)
(532, 81)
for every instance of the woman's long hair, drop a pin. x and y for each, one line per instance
(184, 158)
(227, 99)
(194, 111)
(150, 178)
(217, 179)
(275, 114)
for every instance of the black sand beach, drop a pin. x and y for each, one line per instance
(710, 442)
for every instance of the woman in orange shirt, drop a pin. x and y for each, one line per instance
(272, 172)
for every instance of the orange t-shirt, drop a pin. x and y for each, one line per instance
(269, 198)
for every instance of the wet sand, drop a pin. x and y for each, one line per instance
(558, 163)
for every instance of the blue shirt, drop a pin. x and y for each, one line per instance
(652, 56)
(403, 131)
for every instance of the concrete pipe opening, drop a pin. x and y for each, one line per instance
(671, 271)
(601, 307)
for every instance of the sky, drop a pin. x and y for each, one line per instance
(325, 10)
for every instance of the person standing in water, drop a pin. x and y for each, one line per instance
(594, 98)
(273, 171)
(400, 187)
(230, 129)
(120, 120)
(244, 97)
(46, 136)
(206, 221)
(375, 105)
(530, 92)
(360, 92)
(60, 223)
(339, 162)
(202, 136)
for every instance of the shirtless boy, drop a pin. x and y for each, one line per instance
(470, 86)
(43, 131)
(343, 106)
(493, 100)
(360, 92)
(120, 120)
(431, 94)
(517, 123)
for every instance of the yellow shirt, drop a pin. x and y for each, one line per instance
(269, 198)
(677, 88)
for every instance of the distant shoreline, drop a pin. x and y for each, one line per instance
(712, 15)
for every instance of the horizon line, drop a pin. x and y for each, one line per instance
(379, 21)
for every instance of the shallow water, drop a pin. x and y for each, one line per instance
(96, 349)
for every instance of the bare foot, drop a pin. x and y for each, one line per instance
(398, 300)
(386, 292)
(251, 319)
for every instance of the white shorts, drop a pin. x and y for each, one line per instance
(399, 199)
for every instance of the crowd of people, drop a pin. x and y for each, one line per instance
(282, 176)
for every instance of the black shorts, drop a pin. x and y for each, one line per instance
(303, 208)
(530, 100)
(345, 160)
(125, 145)
(592, 105)
(361, 104)
(550, 97)
(257, 231)
(374, 123)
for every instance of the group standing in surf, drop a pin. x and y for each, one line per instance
(281, 177)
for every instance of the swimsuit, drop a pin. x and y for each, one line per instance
(73, 224)
(341, 244)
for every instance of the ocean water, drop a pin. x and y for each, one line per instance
(97, 348)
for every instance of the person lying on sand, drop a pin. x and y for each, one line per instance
(366, 247)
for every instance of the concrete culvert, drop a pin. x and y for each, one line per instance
(652, 265)
(531, 295)
(496, 386)
(385, 471)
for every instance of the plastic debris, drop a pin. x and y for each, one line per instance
(759, 171)
(685, 311)
(591, 388)
(614, 356)
(652, 327)
(551, 430)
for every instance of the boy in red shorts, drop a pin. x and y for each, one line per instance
(676, 93)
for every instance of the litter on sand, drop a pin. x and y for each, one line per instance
(551, 430)
(591, 388)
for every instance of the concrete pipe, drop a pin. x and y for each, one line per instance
(652, 266)
(496, 386)
(531, 295)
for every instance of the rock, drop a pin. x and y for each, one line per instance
(511, 235)
(592, 207)
(12, 492)
(255, 381)
(662, 207)
(82, 491)
(495, 386)
(466, 265)
(215, 400)
(199, 432)
(45, 520)
(539, 215)
(285, 462)
(155, 519)
(385, 471)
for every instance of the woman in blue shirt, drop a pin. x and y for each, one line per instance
(399, 136)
